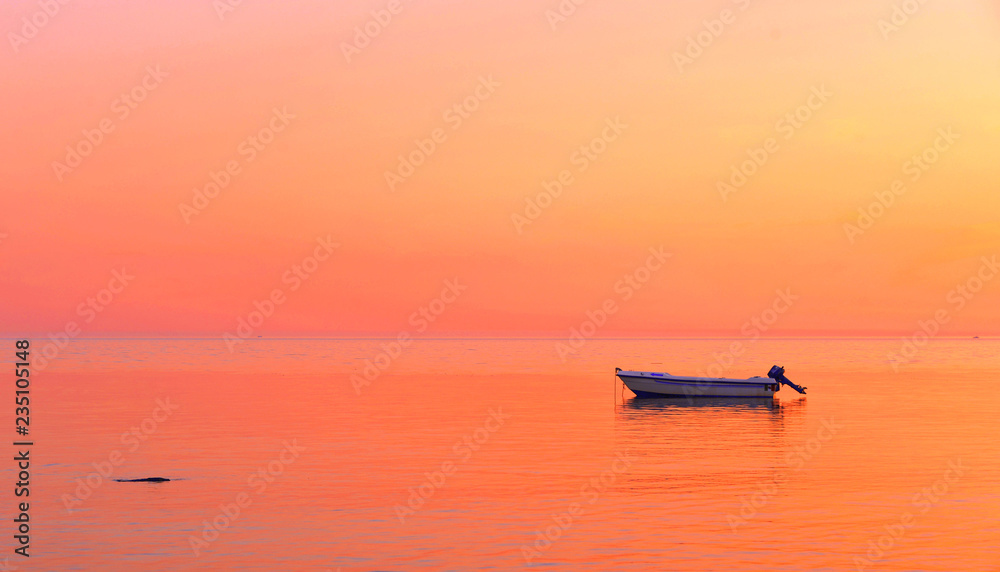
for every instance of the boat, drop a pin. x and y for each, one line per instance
(660, 384)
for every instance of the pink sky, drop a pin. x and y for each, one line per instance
(654, 183)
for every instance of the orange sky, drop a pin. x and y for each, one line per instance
(542, 93)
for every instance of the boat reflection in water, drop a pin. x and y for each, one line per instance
(727, 419)
(724, 448)
(668, 403)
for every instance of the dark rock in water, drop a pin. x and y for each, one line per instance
(146, 480)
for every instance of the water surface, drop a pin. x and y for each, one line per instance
(495, 455)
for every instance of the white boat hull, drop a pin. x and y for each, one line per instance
(655, 384)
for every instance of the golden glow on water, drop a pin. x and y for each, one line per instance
(465, 454)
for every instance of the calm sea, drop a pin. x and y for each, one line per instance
(496, 455)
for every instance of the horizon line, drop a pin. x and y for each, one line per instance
(496, 337)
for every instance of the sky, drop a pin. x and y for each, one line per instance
(379, 168)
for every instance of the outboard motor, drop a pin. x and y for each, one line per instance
(778, 374)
